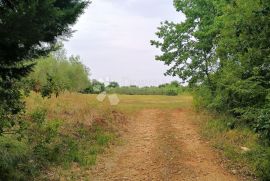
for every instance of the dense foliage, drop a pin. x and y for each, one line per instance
(95, 87)
(29, 29)
(57, 73)
(45, 144)
(222, 48)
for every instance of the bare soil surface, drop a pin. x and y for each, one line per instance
(161, 145)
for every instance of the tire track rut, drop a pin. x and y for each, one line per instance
(162, 145)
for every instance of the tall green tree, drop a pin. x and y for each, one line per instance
(189, 47)
(244, 51)
(223, 47)
(59, 73)
(113, 85)
(29, 29)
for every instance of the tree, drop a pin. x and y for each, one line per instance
(28, 30)
(68, 73)
(244, 51)
(113, 85)
(175, 84)
(223, 48)
(98, 87)
(189, 47)
(51, 87)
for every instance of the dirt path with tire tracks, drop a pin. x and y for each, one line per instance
(162, 145)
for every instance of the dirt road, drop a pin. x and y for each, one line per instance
(162, 145)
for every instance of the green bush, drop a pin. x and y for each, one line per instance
(95, 87)
(44, 145)
(58, 73)
(43, 137)
(14, 159)
(171, 92)
(263, 122)
(259, 158)
(39, 116)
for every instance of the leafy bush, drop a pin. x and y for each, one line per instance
(260, 159)
(39, 116)
(57, 73)
(256, 160)
(263, 122)
(14, 159)
(171, 91)
(95, 87)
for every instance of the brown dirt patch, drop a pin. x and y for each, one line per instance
(161, 145)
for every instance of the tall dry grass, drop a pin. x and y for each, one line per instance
(71, 107)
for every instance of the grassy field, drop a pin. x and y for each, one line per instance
(93, 125)
(84, 108)
(63, 133)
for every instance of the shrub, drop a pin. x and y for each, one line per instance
(171, 92)
(39, 116)
(263, 122)
(13, 160)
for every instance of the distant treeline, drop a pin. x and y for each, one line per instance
(170, 89)
(57, 73)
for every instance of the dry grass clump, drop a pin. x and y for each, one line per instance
(72, 108)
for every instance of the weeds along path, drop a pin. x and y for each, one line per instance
(161, 145)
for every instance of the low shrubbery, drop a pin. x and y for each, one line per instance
(46, 144)
(244, 119)
(95, 87)
(254, 162)
(14, 159)
(248, 107)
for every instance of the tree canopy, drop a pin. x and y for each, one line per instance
(222, 48)
(28, 30)
(59, 73)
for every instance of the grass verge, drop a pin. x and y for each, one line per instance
(246, 152)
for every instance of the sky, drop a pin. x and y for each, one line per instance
(113, 38)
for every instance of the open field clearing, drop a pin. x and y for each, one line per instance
(81, 97)
(152, 138)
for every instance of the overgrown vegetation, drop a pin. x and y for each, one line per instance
(28, 30)
(222, 50)
(145, 91)
(58, 73)
(246, 151)
(95, 87)
(56, 140)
